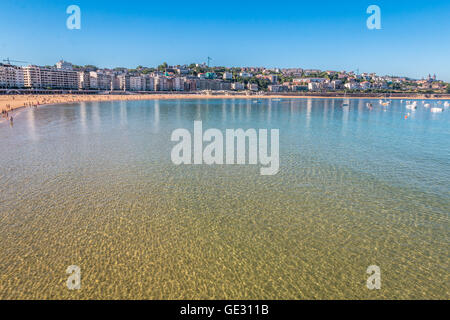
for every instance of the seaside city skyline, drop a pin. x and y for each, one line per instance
(412, 41)
(202, 76)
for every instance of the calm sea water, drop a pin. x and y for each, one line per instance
(92, 185)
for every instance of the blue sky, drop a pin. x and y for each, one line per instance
(414, 39)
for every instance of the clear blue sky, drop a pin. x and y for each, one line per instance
(414, 40)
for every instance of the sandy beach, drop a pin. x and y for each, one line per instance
(12, 102)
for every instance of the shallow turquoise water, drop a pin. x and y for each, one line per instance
(92, 184)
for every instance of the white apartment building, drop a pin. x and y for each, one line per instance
(161, 84)
(115, 83)
(252, 86)
(137, 83)
(182, 70)
(237, 86)
(64, 65)
(273, 78)
(308, 80)
(124, 82)
(311, 71)
(276, 88)
(149, 83)
(314, 86)
(41, 77)
(99, 80)
(227, 76)
(178, 84)
(84, 80)
(352, 85)
(11, 77)
(245, 75)
(336, 84)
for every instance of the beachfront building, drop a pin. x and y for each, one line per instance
(352, 85)
(149, 83)
(276, 88)
(137, 83)
(115, 83)
(315, 86)
(190, 84)
(365, 85)
(237, 86)
(216, 85)
(225, 85)
(52, 78)
(161, 83)
(252, 86)
(124, 82)
(336, 84)
(178, 84)
(99, 80)
(84, 82)
(296, 88)
(203, 84)
(11, 76)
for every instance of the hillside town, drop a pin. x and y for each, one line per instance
(200, 77)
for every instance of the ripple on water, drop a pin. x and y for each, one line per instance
(109, 200)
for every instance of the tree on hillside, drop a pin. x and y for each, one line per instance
(162, 67)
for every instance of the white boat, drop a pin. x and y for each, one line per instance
(385, 102)
(446, 104)
(412, 106)
(426, 105)
(346, 102)
(436, 110)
